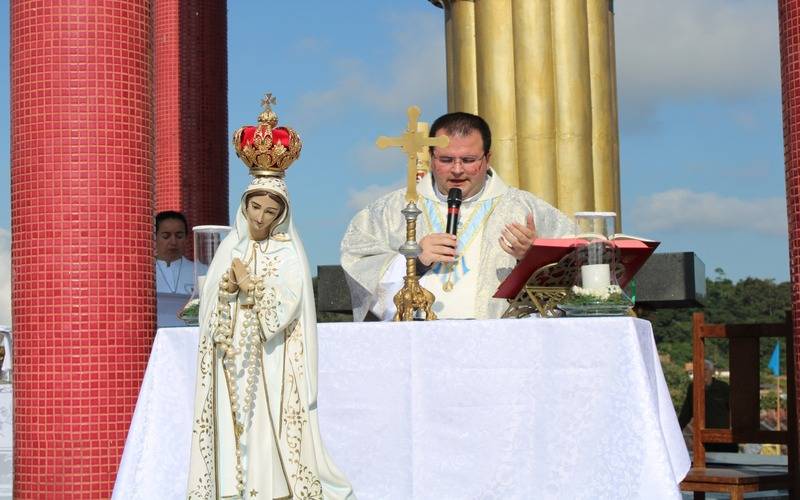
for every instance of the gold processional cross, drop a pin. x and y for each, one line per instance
(414, 142)
(412, 298)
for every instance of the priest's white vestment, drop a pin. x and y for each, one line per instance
(374, 267)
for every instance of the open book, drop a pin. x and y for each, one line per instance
(615, 236)
(557, 262)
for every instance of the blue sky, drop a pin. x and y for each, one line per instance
(700, 117)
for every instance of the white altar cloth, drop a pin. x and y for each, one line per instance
(531, 408)
(6, 439)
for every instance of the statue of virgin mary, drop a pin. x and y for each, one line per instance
(255, 430)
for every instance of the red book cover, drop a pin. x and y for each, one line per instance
(562, 252)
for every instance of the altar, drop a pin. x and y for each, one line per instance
(528, 408)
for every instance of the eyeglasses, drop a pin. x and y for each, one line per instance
(466, 161)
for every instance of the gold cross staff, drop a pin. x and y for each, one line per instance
(414, 141)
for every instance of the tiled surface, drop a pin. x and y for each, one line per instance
(789, 23)
(81, 220)
(192, 139)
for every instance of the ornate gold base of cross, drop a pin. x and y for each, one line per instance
(413, 301)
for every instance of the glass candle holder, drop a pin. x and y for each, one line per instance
(596, 228)
(596, 291)
(206, 242)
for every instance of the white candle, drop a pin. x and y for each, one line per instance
(595, 276)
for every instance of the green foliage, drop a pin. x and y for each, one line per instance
(677, 380)
(589, 299)
(769, 400)
(769, 391)
(751, 300)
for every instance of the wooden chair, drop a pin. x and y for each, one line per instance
(745, 426)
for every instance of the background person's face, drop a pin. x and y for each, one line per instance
(170, 240)
(709, 375)
(470, 178)
(262, 210)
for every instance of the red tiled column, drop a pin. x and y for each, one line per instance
(82, 252)
(789, 23)
(191, 109)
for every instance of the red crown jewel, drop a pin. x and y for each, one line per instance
(265, 148)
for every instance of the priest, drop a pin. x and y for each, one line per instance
(497, 225)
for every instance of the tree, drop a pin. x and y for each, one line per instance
(751, 300)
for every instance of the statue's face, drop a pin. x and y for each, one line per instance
(170, 238)
(461, 164)
(262, 210)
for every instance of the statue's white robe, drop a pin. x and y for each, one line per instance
(374, 267)
(273, 367)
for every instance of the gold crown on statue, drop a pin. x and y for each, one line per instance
(265, 148)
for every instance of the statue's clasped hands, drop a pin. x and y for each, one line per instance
(239, 278)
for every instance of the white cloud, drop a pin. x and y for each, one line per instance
(368, 157)
(415, 74)
(676, 50)
(5, 277)
(686, 210)
(358, 199)
(688, 49)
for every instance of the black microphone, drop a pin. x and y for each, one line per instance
(453, 207)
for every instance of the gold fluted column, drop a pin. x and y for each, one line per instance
(448, 47)
(601, 87)
(494, 44)
(543, 74)
(614, 116)
(465, 73)
(573, 106)
(535, 104)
